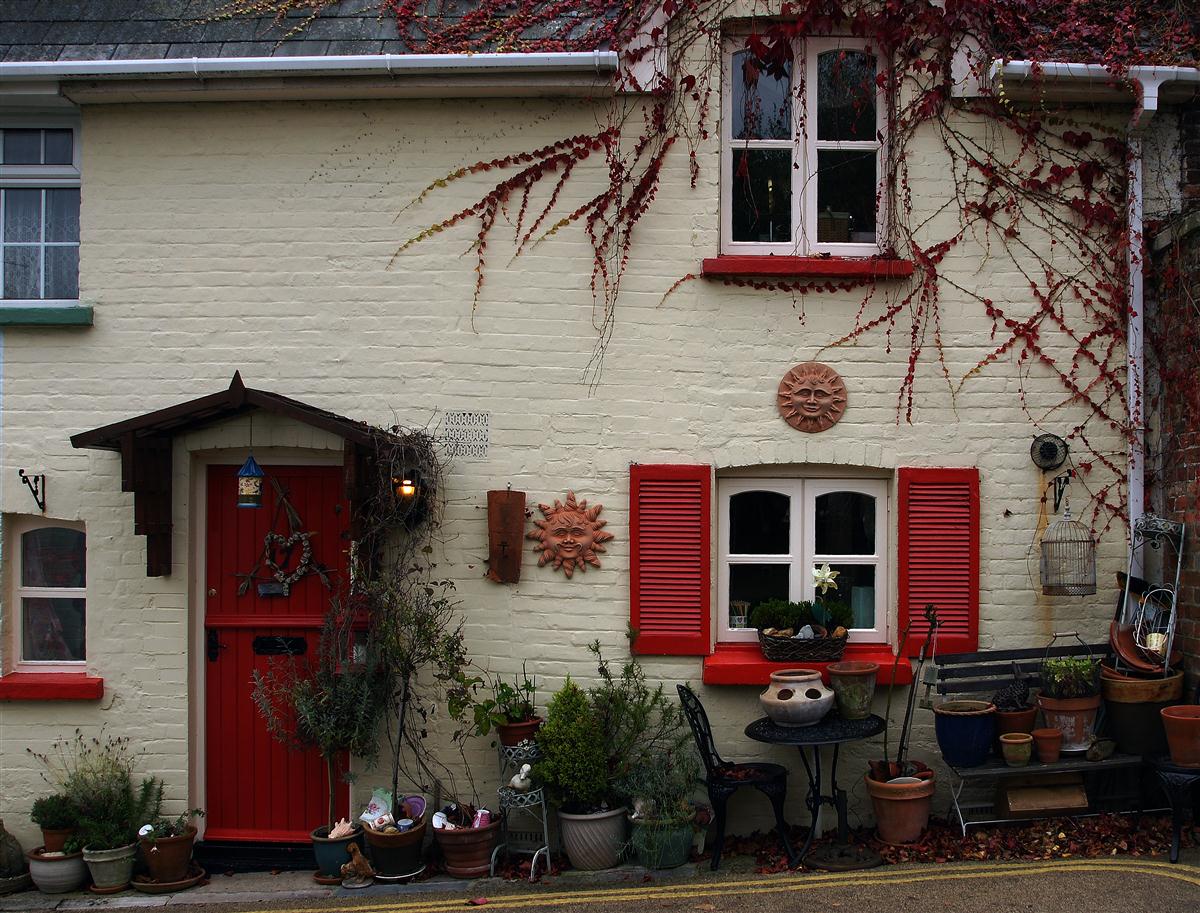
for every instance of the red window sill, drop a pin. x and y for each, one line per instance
(728, 267)
(50, 686)
(743, 664)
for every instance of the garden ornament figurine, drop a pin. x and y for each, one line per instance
(521, 781)
(570, 535)
(812, 397)
(357, 873)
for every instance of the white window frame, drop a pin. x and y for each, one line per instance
(804, 146)
(801, 556)
(41, 177)
(17, 529)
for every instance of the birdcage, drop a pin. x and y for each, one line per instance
(1068, 558)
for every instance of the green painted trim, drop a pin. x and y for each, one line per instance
(46, 317)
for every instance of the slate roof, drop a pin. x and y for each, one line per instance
(155, 29)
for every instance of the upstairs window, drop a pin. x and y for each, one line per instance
(802, 150)
(39, 213)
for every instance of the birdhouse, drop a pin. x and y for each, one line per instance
(250, 483)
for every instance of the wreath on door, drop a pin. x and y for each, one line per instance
(278, 559)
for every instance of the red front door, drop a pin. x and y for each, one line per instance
(256, 788)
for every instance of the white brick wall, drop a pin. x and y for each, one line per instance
(257, 237)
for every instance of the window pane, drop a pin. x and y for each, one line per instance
(762, 100)
(22, 215)
(845, 524)
(846, 190)
(52, 630)
(22, 147)
(855, 588)
(59, 147)
(62, 215)
(762, 195)
(62, 272)
(755, 583)
(53, 556)
(758, 523)
(846, 96)
(21, 272)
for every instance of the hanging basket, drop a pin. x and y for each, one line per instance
(1068, 566)
(789, 649)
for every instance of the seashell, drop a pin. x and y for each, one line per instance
(839, 631)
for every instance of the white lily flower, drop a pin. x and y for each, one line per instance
(825, 578)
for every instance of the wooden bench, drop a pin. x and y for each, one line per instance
(978, 676)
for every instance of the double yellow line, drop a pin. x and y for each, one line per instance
(779, 884)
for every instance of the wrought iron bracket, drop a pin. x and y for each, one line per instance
(1060, 487)
(37, 487)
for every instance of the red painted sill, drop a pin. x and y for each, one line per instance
(743, 664)
(50, 686)
(729, 267)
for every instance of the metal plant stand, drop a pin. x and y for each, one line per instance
(528, 809)
(1182, 787)
(1148, 611)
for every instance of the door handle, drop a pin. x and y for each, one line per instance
(214, 645)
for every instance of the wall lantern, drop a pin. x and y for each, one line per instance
(406, 485)
(250, 483)
(1068, 558)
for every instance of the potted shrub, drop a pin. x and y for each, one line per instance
(901, 790)
(664, 818)
(333, 706)
(110, 812)
(166, 845)
(1070, 698)
(510, 710)
(57, 816)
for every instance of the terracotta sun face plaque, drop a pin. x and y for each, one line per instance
(570, 535)
(812, 397)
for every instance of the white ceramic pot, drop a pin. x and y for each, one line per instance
(57, 874)
(796, 697)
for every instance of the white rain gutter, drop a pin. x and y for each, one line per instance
(1147, 83)
(575, 62)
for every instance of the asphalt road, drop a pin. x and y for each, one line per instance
(1117, 885)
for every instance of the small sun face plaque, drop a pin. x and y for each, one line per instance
(570, 535)
(812, 397)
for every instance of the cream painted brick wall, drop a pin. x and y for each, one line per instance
(258, 237)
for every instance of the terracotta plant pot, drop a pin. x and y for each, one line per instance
(1049, 744)
(56, 874)
(593, 841)
(111, 869)
(1075, 716)
(1017, 748)
(853, 683)
(468, 850)
(796, 697)
(901, 809)
(964, 731)
(393, 855)
(515, 733)
(333, 854)
(1133, 708)
(1183, 733)
(55, 840)
(1014, 721)
(167, 858)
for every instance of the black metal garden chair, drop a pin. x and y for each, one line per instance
(723, 778)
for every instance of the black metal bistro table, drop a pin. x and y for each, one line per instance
(835, 731)
(1182, 786)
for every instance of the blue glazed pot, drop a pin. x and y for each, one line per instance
(965, 731)
(333, 854)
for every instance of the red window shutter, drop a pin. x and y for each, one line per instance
(938, 555)
(670, 574)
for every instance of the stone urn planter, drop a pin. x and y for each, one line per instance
(1133, 708)
(468, 850)
(796, 697)
(168, 858)
(901, 807)
(965, 730)
(853, 682)
(1074, 716)
(111, 869)
(1183, 733)
(593, 841)
(56, 872)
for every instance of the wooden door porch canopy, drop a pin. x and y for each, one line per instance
(145, 445)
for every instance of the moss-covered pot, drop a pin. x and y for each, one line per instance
(111, 868)
(853, 683)
(661, 844)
